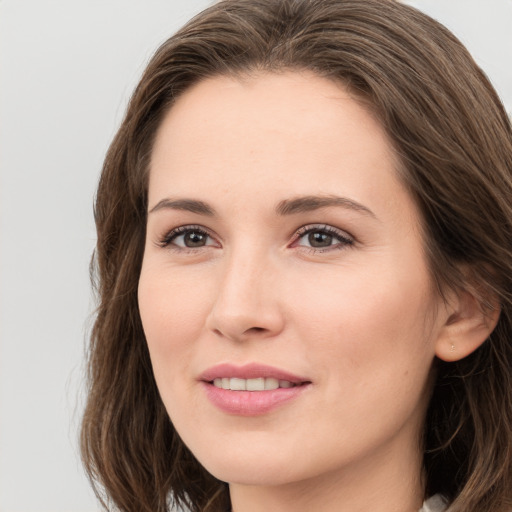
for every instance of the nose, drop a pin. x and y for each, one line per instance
(246, 305)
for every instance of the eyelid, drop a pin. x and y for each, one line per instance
(344, 238)
(166, 240)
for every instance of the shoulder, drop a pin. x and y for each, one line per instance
(434, 504)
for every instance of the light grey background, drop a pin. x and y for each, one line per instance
(67, 69)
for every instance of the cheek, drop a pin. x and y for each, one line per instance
(369, 342)
(173, 314)
(376, 323)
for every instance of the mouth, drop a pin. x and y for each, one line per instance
(251, 390)
(257, 384)
(251, 377)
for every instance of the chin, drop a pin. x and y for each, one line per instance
(263, 466)
(257, 475)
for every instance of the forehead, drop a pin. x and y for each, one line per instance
(272, 134)
(294, 105)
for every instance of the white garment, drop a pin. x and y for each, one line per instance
(434, 504)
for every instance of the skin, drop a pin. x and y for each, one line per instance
(359, 319)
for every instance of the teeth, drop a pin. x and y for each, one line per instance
(255, 384)
(271, 383)
(237, 384)
(259, 384)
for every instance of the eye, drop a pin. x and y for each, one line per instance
(188, 237)
(322, 238)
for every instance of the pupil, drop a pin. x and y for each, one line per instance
(194, 239)
(319, 239)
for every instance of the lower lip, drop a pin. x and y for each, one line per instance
(251, 403)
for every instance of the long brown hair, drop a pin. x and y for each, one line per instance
(454, 142)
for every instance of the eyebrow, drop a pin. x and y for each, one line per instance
(294, 206)
(311, 203)
(189, 205)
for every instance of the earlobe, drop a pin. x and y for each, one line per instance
(469, 323)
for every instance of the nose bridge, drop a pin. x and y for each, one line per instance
(246, 302)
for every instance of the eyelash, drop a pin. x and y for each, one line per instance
(343, 239)
(170, 237)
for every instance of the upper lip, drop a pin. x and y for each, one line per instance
(249, 371)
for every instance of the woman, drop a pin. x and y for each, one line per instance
(304, 266)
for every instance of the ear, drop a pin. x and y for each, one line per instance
(469, 322)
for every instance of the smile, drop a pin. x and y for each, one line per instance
(258, 384)
(252, 389)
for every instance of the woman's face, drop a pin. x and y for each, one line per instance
(282, 250)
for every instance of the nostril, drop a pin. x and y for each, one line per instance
(255, 329)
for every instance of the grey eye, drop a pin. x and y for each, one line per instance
(191, 238)
(323, 237)
(319, 239)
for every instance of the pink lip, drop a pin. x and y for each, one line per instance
(251, 403)
(249, 371)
